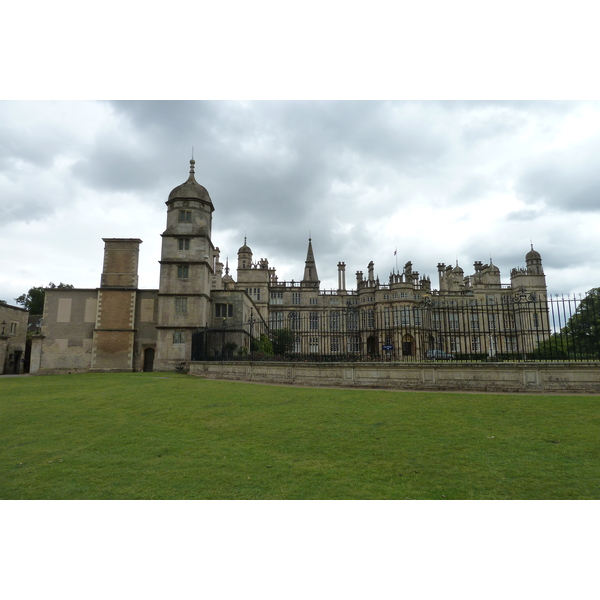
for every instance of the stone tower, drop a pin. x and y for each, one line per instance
(114, 334)
(532, 277)
(187, 266)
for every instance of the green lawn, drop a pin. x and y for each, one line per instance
(170, 436)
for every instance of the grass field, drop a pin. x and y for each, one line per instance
(168, 436)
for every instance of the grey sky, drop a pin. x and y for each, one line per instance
(440, 181)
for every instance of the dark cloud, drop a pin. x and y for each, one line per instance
(338, 171)
(566, 178)
(33, 142)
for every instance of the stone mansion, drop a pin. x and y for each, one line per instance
(200, 312)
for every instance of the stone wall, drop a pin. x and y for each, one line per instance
(476, 377)
(13, 337)
(67, 331)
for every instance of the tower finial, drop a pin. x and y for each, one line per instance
(192, 163)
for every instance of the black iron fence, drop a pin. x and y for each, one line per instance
(514, 328)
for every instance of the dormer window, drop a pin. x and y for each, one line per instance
(185, 216)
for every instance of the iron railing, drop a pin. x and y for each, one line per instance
(517, 327)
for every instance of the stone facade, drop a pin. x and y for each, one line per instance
(199, 311)
(13, 338)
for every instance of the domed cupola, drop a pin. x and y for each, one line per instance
(191, 190)
(493, 269)
(244, 256)
(532, 255)
(533, 260)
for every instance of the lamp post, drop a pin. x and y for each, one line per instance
(251, 321)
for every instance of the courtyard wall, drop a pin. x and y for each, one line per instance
(532, 377)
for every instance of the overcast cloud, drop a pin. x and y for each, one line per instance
(441, 181)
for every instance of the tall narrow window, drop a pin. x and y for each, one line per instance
(335, 345)
(294, 318)
(334, 321)
(181, 306)
(276, 320)
(418, 320)
(509, 321)
(405, 315)
(352, 321)
(386, 317)
(353, 344)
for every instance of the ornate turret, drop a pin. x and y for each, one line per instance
(532, 276)
(533, 260)
(228, 282)
(244, 256)
(189, 270)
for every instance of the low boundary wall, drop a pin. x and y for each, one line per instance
(476, 377)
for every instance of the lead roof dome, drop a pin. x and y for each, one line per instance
(191, 189)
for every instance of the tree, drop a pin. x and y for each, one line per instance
(33, 300)
(283, 341)
(262, 345)
(582, 331)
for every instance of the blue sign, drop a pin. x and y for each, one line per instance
(388, 347)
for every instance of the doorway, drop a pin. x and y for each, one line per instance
(408, 345)
(148, 360)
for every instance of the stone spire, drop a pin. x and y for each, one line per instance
(310, 269)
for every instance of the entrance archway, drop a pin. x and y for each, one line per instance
(408, 345)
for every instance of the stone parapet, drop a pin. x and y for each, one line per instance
(558, 378)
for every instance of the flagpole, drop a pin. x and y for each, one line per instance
(396, 255)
